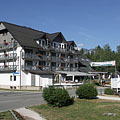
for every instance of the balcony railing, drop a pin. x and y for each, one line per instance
(9, 56)
(8, 68)
(60, 69)
(74, 69)
(9, 45)
(35, 68)
(35, 57)
(74, 59)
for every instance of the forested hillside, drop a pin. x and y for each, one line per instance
(100, 54)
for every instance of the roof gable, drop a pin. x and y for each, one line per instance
(59, 38)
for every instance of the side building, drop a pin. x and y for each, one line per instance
(32, 59)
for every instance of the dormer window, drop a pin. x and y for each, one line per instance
(65, 46)
(5, 33)
(42, 42)
(71, 47)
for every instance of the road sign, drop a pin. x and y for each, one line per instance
(15, 73)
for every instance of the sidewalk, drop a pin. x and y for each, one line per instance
(108, 98)
(29, 114)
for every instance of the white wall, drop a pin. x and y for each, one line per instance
(5, 37)
(5, 79)
(46, 80)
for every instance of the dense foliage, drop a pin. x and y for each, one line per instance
(100, 54)
(109, 91)
(86, 91)
(57, 97)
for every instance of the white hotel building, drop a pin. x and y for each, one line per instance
(32, 59)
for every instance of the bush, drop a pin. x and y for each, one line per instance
(57, 97)
(109, 91)
(86, 91)
(96, 82)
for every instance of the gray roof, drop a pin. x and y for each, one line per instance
(23, 35)
(72, 43)
(26, 36)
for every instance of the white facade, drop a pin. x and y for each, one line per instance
(31, 59)
(19, 79)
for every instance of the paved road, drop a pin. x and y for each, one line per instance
(17, 99)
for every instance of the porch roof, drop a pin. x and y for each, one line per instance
(76, 73)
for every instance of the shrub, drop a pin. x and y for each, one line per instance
(86, 91)
(109, 91)
(57, 97)
(96, 82)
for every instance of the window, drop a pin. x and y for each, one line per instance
(14, 78)
(11, 78)
(5, 33)
(43, 42)
(54, 45)
(65, 46)
(4, 40)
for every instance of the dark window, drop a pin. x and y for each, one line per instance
(14, 78)
(71, 65)
(11, 78)
(53, 64)
(11, 87)
(65, 46)
(76, 64)
(4, 40)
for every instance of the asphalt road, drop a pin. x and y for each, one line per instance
(18, 99)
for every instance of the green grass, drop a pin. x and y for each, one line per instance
(81, 110)
(6, 116)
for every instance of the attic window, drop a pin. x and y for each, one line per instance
(5, 33)
(65, 46)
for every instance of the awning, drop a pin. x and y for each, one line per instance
(69, 73)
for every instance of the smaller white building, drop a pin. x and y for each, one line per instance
(115, 84)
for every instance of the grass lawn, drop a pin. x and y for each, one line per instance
(81, 110)
(6, 116)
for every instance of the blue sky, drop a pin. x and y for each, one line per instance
(87, 22)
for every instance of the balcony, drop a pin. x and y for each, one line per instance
(35, 68)
(8, 68)
(74, 69)
(57, 49)
(8, 57)
(35, 57)
(75, 60)
(60, 69)
(8, 46)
